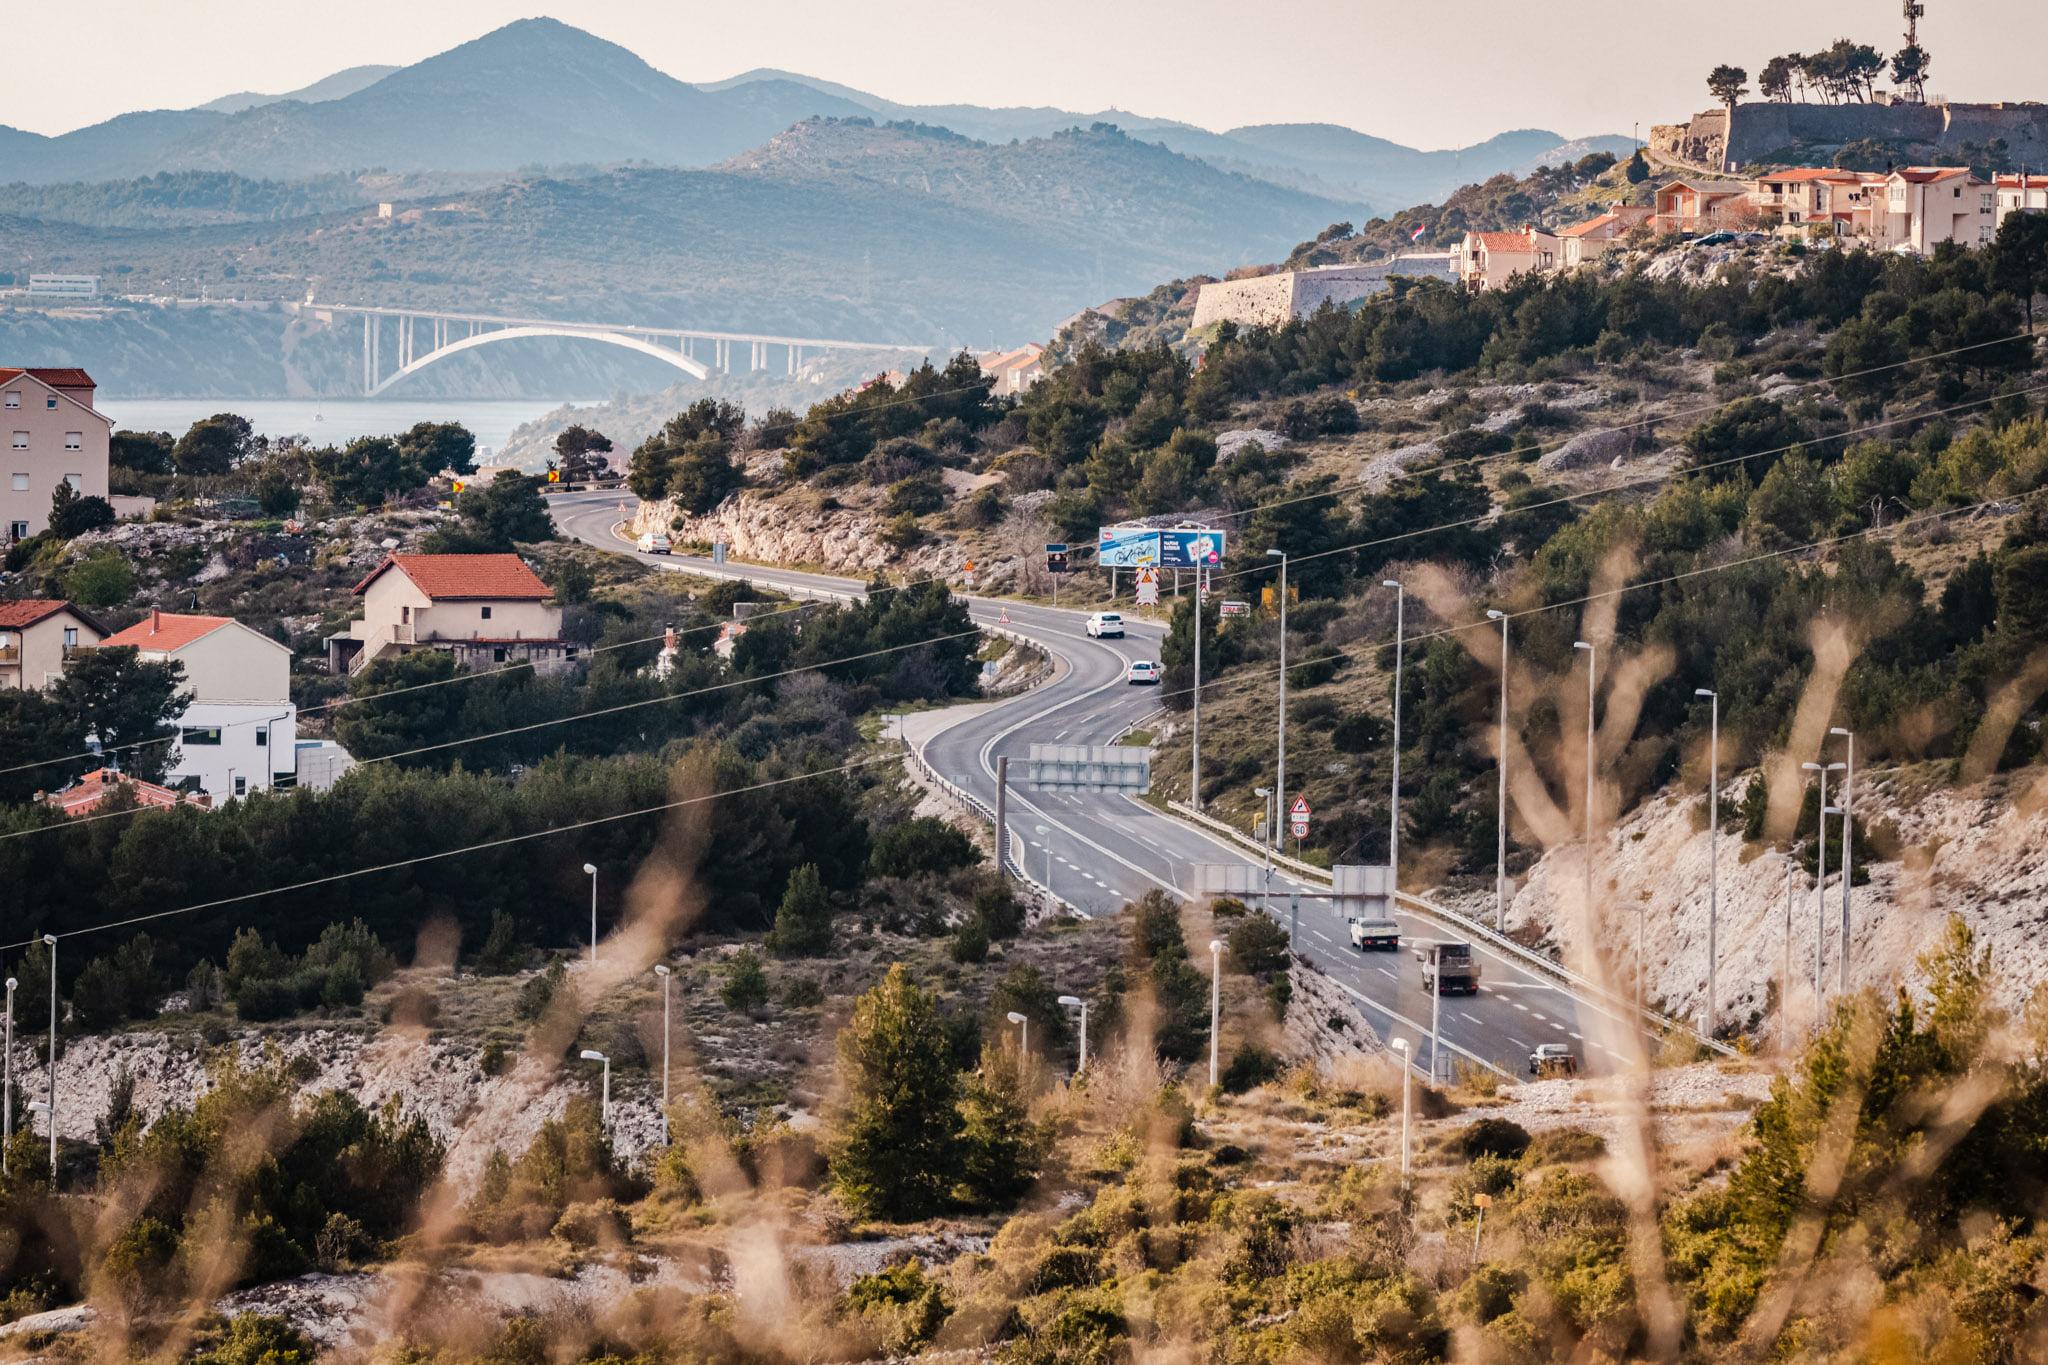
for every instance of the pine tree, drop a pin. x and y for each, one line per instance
(898, 1152)
(1001, 1147)
(803, 923)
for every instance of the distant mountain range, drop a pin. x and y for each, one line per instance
(538, 93)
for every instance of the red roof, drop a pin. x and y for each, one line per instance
(1809, 173)
(1922, 175)
(165, 631)
(1590, 225)
(457, 578)
(2033, 182)
(1506, 241)
(96, 786)
(25, 612)
(61, 378)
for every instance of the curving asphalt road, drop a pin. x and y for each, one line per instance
(1098, 851)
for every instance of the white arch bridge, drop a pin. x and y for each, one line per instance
(695, 352)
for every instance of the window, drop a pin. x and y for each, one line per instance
(74, 440)
(17, 530)
(487, 613)
(77, 482)
(199, 735)
(498, 655)
(263, 736)
(21, 440)
(19, 483)
(50, 401)
(71, 637)
(14, 398)
(241, 786)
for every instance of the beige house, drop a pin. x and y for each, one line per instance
(1703, 206)
(39, 636)
(1924, 206)
(1805, 195)
(1594, 238)
(487, 610)
(2021, 194)
(1014, 371)
(1488, 260)
(239, 732)
(53, 436)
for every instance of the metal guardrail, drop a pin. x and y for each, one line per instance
(1506, 947)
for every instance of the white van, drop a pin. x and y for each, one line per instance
(1106, 625)
(653, 543)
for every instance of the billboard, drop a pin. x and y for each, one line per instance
(1127, 547)
(1191, 547)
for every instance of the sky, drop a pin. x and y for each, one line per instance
(1427, 75)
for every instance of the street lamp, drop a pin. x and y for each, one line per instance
(1407, 1081)
(1785, 980)
(1215, 1002)
(38, 1107)
(1280, 757)
(1195, 696)
(661, 970)
(50, 942)
(1592, 682)
(1265, 794)
(590, 871)
(7, 1082)
(1394, 807)
(1500, 870)
(605, 1109)
(1023, 1042)
(1075, 1002)
(1848, 800)
(1820, 880)
(1713, 854)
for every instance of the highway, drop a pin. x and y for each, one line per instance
(1107, 849)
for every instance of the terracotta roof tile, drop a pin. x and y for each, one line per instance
(466, 577)
(1506, 241)
(96, 786)
(26, 611)
(67, 377)
(165, 631)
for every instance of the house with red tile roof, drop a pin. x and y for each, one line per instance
(39, 636)
(93, 790)
(1596, 236)
(52, 434)
(489, 611)
(2021, 194)
(239, 730)
(1016, 370)
(1703, 205)
(1488, 260)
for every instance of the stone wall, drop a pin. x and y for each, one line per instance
(1273, 299)
(1763, 128)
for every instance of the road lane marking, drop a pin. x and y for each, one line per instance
(1391, 977)
(1473, 1018)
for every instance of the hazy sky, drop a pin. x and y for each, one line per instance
(1426, 74)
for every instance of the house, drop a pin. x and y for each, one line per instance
(1488, 260)
(2021, 194)
(1271, 299)
(1014, 371)
(39, 636)
(89, 792)
(1800, 196)
(239, 730)
(1925, 206)
(486, 610)
(1594, 238)
(1701, 205)
(53, 435)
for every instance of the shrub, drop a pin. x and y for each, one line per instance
(102, 579)
(1258, 946)
(537, 992)
(254, 1339)
(997, 909)
(1250, 1066)
(597, 1222)
(970, 941)
(1502, 1138)
(745, 988)
(921, 844)
(1563, 1146)
(803, 922)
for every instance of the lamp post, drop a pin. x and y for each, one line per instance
(590, 870)
(1265, 794)
(1400, 1045)
(661, 970)
(1280, 754)
(1820, 880)
(1075, 1002)
(605, 1108)
(1500, 869)
(1848, 800)
(38, 1107)
(7, 1082)
(1023, 1042)
(1215, 1002)
(1713, 853)
(1785, 980)
(1195, 723)
(1592, 682)
(1394, 805)
(50, 942)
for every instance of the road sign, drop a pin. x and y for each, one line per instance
(1126, 547)
(970, 573)
(1148, 587)
(1003, 619)
(1191, 547)
(1297, 818)
(1055, 557)
(457, 486)
(1235, 609)
(554, 476)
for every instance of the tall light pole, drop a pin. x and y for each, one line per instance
(1400, 1045)
(1195, 726)
(1265, 794)
(1075, 1002)
(1848, 800)
(1500, 867)
(604, 1109)
(1820, 881)
(1023, 1024)
(590, 870)
(50, 942)
(1592, 683)
(1785, 980)
(1280, 755)
(1215, 1002)
(1394, 805)
(661, 970)
(1713, 853)
(7, 1082)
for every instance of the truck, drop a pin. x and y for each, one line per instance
(1448, 968)
(1375, 935)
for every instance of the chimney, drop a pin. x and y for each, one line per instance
(155, 620)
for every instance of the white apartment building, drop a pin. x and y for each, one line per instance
(2021, 194)
(52, 435)
(240, 732)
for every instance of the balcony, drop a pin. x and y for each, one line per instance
(10, 655)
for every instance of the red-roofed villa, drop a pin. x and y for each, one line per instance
(487, 610)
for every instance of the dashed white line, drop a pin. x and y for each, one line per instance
(1471, 1018)
(1391, 977)
(1519, 1005)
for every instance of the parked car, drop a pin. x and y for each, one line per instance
(1106, 625)
(1553, 1059)
(1142, 673)
(653, 543)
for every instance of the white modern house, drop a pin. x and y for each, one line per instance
(240, 732)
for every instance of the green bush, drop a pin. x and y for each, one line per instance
(745, 988)
(1250, 1066)
(920, 845)
(1502, 1138)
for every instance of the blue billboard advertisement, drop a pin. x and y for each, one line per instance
(1186, 547)
(1127, 547)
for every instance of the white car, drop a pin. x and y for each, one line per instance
(653, 543)
(1142, 673)
(1106, 625)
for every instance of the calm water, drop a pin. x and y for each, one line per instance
(328, 420)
